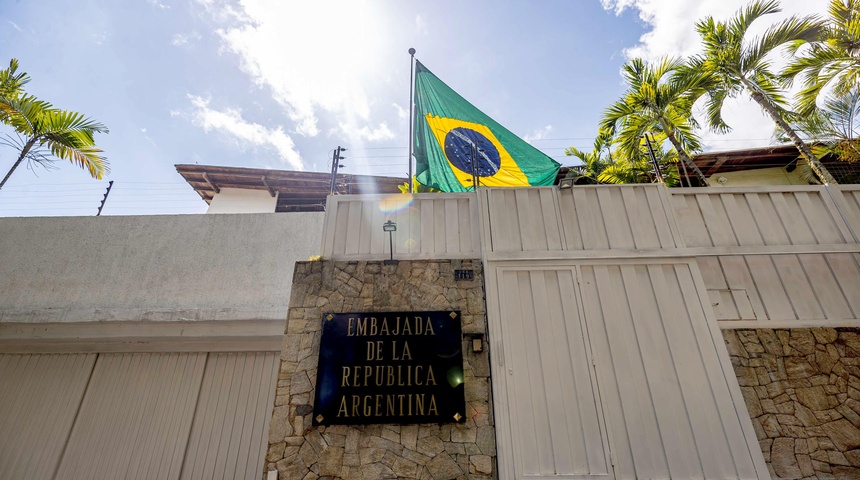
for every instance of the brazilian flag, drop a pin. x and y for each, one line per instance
(455, 141)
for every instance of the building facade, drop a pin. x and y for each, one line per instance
(624, 332)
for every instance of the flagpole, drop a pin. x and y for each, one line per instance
(411, 115)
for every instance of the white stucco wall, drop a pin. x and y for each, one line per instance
(240, 200)
(156, 268)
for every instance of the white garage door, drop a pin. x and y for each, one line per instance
(135, 415)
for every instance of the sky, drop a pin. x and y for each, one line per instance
(280, 83)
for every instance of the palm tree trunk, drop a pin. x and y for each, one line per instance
(24, 152)
(682, 154)
(813, 161)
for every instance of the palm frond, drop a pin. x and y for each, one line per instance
(12, 82)
(832, 61)
(48, 133)
(792, 29)
(742, 20)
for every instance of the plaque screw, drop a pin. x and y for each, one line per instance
(457, 416)
(329, 317)
(320, 418)
(453, 314)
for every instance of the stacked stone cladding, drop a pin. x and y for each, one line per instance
(802, 389)
(299, 450)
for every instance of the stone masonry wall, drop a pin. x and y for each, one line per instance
(298, 450)
(802, 389)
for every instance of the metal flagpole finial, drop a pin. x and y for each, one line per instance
(412, 52)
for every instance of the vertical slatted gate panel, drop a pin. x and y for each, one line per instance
(524, 220)
(729, 217)
(804, 287)
(428, 226)
(39, 397)
(629, 216)
(667, 397)
(850, 199)
(555, 417)
(229, 436)
(135, 418)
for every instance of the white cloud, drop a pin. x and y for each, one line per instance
(750, 127)
(222, 11)
(538, 134)
(672, 33)
(246, 133)
(402, 113)
(157, 4)
(315, 57)
(147, 137)
(14, 25)
(382, 132)
(672, 22)
(182, 39)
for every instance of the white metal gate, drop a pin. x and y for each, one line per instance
(547, 383)
(613, 370)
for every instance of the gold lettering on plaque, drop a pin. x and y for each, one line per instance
(355, 404)
(419, 404)
(429, 330)
(402, 353)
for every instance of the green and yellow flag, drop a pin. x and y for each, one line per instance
(454, 141)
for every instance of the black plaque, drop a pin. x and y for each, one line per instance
(390, 367)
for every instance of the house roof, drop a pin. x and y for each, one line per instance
(765, 157)
(297, 191)
(752, 158)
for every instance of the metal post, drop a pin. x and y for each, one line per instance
(684, 167)
(411, 114)
(335, 163)
(653, 159)
(390, 227)
(474, 166)
(110, 185)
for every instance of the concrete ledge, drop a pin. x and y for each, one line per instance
(80, 315)
(224, 336)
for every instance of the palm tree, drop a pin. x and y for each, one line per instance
(732, 66)
(604, 165)
(833, 129)
(837, 125)
(830, 61)
(658, 99)
(44, 133)
(594, 162)
(627, 170)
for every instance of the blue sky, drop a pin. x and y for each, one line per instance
(279, 84)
